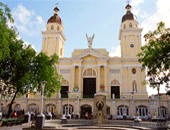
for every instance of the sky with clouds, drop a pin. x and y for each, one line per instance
(86, 16)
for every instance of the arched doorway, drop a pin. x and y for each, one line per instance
(89, 83)
(115, 89)
(64, 89)
(85, 109)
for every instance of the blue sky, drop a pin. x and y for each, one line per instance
(101, 17)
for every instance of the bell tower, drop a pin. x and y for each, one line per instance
(53, 37)
(130, 35)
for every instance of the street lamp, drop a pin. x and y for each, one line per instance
(77, 115)
(41, 117)
(124, 112)
(132, 93)
(68, 115)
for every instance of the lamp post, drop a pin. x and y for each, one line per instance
(41, 117)
(124, 112)
(132, 93)
(68, 115)
(77, 115)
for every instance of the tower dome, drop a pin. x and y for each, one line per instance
(55, 18)
(129, 15)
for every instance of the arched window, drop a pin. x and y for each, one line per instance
(142, 111)
(89, 72)
(130, 25)
(124, 26)
(115, 83)
(134, 86)
(163, 112)
(121, 110)
(17, 107)
(65, 109)
(50, 108)
(33, 108)
(52, 27)
(58, 28)
(65, 83)
(107, 110)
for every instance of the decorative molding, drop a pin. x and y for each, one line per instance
(125, 66)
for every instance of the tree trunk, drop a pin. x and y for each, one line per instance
(10, 106)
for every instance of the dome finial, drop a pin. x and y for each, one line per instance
(128, 6)
(56, 10)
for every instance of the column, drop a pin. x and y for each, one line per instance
(79, 77)
(98, 79)
(105, 80)
(73, 76)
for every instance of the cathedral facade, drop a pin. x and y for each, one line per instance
(91, 71)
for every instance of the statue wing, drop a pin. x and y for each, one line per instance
(93, 36)
(87, 37)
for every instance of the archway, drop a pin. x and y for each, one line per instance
(50, 108)
(89, 82)
(64, 89)
(33, 108)
(164, 112)
(121, 109)
(115, 89)
(65, 109)
(85, 109)
(142, 111)
(17, 107)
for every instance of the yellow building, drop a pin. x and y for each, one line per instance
(91, 71)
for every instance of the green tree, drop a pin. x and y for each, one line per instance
(21, 67)
(6, 34)
(155, 56)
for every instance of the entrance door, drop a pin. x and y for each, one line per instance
(63, 91)
(115, 90)
(85, 109)
(89, 87)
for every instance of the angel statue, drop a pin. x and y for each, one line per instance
(90, 40)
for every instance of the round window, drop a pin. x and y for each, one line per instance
(133, 71)
(131, 45)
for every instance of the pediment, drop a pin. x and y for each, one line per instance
(90, 54)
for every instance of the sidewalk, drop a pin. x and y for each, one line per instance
(17, 127)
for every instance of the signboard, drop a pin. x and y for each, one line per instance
(65, 71)
(114, 71)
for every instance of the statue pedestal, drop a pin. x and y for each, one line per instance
(105, 93)
(99, 114)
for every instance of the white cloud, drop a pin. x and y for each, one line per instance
(150, 23)
(136, 2)
(22, 15)
(27, 43)
(27, 21)
(116, 52)
(135, 6)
